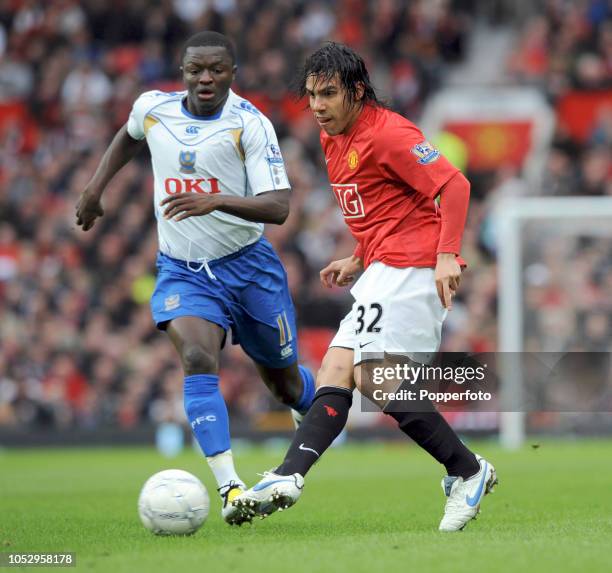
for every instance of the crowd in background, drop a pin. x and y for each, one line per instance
(77, 343)
(567, 44)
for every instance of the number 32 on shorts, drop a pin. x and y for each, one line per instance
(368, 318)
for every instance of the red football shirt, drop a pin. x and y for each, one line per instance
(385, 176)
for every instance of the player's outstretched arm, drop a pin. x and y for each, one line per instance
(268, 207)
(121, 150)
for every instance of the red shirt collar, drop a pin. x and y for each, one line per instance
(365, 114)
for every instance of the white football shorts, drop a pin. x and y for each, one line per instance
(395, 311)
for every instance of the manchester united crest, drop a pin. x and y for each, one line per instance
(353, 159)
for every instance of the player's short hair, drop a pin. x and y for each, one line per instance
(209, 38)
(337, 59)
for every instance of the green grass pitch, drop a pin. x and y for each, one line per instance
(365, 508)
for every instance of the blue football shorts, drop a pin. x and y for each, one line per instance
(248, 295)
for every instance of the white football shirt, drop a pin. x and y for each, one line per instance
(234, 152)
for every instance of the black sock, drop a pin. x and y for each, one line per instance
(319, 428)
(431, 431)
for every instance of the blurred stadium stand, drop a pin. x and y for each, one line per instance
(78, 350)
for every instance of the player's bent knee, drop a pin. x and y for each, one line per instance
(336, 369)
(284, 383)
(198, 360)
(285, 391)
(335, 376)
(284, 395)
(367, 391)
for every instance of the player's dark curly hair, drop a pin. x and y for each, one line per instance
(337, 59)
(209, 38)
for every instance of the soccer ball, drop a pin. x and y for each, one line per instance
(173, 502)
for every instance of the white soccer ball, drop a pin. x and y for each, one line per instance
(173, 502)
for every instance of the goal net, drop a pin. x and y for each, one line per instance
(555, 301)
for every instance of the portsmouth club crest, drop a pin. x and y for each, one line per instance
(187, 160)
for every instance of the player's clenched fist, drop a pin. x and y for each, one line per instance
(342, 272)
(183, 205)
(88, 209)
(448, 277)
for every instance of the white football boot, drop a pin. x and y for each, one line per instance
(464, 496)
(297, 418)
(229, 492)
(272, 493)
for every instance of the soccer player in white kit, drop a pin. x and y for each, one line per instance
(219, 176)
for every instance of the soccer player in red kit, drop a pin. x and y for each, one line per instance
(385, 176)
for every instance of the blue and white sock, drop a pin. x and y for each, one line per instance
(207, 415)
(308, 390)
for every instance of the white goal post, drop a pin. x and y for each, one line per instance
(575, 215)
